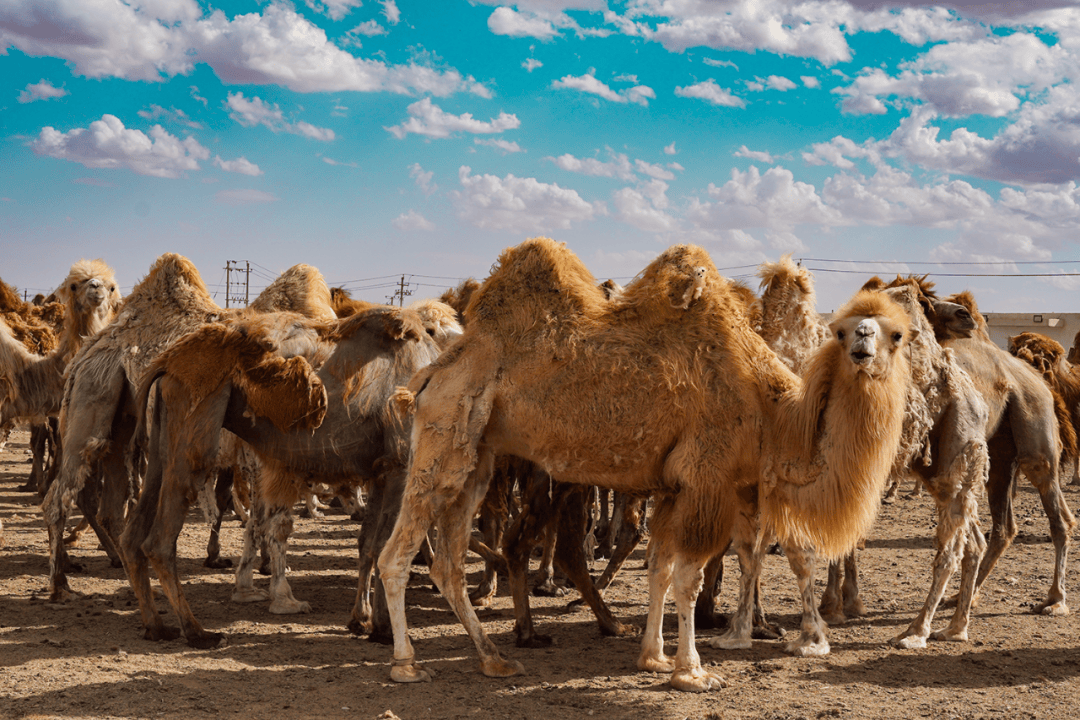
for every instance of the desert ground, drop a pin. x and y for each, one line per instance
(87, 659)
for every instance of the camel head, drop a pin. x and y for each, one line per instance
(870, 330)
(439, 321)
(90, 295)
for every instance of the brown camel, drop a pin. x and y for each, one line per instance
(1047, 356)
(98, 415)
(345, 371)
(1022, 435)
(662, 392)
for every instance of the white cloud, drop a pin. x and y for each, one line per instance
(710, 92)
(412, 221)
(720, 63)
(255, 111)
(153, 41)
(156, 112)
(754, 155)
(589, 84)
(644, 207)
(196, 96)
(810, 81)
(625, 78)
(618, 167)
(338, 163)
(670, 149)
(653, 171)
(334, 9)
(240, 165)
(369, 28)
(507, 21)
(108, 144)
(776, 82)
(391, 12)
(422, 178)
(503, 146)
(532, 64)
(242, 197)
(430, 120)
(522, 205)
(43, 90)
(773, 200)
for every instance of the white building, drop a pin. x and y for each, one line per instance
(1057, 326)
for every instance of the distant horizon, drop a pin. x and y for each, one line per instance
(377, 138)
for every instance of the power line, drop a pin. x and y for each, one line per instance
(976, 275)
(930, 262)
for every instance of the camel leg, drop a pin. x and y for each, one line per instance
(832, 602)
(952, 531)
(107, 518)
(279, 527)
(741, 625)
(549, 538)
(689, 675)
(705, 616)
(393, 481)
(520, 538)
(974, 548)
(135, 534)
(999, 494)
(812, 640)
(448, 572)
(244, 590)
(606, 522)
(1062, 523)
(223, 486)
(661, 566)
(853, 604)
(570, 557)
(360, 619)
(631, 531)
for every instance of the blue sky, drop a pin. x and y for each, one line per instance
(378, 138)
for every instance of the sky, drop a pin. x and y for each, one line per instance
(381, 139)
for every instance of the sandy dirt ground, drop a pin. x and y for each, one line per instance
(87, 659)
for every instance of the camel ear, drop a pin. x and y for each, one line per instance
(912, 334)
(400, 327)
(286, 392)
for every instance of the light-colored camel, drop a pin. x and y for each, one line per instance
(1047, 356)
(660, 392)
(1022, 436)
(51, 334)
(272, 380)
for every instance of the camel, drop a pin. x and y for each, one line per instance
(1022, 436)
(1048, 358)
(98, 416)
(312, 401)
(667, 391)
(1074, 351)
(50, 335)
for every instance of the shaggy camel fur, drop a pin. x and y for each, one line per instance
(98, 416)
(1074, 351)
(439, 323)
(1023, 437)
(1047, 356)
(323, 414)
(660, 392)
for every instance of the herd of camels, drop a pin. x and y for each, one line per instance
(746, 420)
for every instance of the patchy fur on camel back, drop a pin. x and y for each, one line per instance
(666, 391)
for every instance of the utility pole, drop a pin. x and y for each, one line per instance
(400, 293)
(229, 270)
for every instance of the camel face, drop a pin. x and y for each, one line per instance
(869, 342)
(954, 318)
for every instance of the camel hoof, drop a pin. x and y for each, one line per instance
(481, 601)
(661, 664)
(534, 641)
(164, 633)
(381, 637)
(855, 609)
(250, 595)
(549, 589)
(358, 626)
(70, 566)
(619, 630)
(808, 649)
(950, 636)
(710, 621)
(289, 607)
(1057, 609)
(498, 667)
(727, 641)
(767, 632)
(834, 618)
(410, 673)
(697, 680)
(218, 563)
(62, 596)
(206, 640)
(910, 642)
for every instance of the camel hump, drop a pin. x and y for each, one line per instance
(785, 273)
(680, 278)
(300, 289)
(172, 280)
(538, 279)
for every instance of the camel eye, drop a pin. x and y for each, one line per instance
(840, 335)
(73, 286)
(897, 337)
